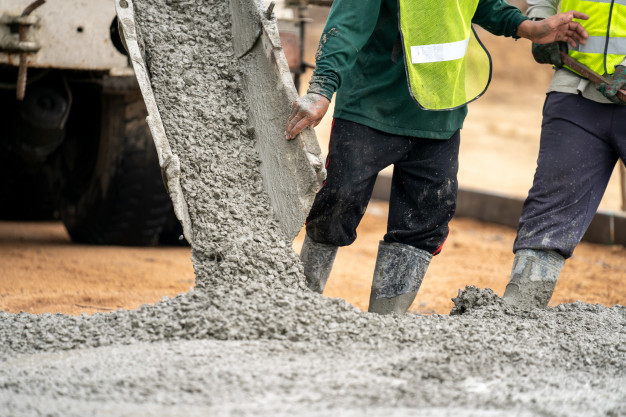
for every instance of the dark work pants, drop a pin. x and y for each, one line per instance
(423, 190)
(581, 141)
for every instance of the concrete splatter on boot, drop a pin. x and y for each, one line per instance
(533, 278)
(398, 275)
(318, 259)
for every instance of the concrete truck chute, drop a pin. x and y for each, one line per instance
(74, 137)
(292, 171)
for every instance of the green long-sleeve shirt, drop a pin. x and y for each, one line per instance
(355, 60)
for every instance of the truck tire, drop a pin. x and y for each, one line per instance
(25, 194)
(172, 234)
(24, 187)
(110, 191)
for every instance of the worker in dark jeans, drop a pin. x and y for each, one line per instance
(583, 135)
(403, 72)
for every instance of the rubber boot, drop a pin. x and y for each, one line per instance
(318, 259)
(398, 275)
(533, 278)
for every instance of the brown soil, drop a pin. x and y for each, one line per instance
(477, 254)
(42, 271)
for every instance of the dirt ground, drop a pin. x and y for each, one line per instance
(41, 271)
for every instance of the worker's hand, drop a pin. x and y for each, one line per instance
(549, 53)
(557, 28)
(307, 111)
(609, 90)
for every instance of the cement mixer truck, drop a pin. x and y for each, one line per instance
(73, 137)
(74, 142)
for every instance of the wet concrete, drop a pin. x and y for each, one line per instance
(251, 339)
(316, 356)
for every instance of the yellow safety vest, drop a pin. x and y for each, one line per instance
(446, 65)
(606, 45)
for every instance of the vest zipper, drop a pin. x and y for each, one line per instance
(608, 35)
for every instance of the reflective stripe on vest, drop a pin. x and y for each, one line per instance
(439, 52)
(446, 65)
(598, 45)
(606, 46)
(622, 2)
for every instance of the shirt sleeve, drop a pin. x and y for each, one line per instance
(498, 17)
(349, 26)
(542, 8)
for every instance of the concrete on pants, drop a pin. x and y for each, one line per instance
(423, 191)
(581, 140)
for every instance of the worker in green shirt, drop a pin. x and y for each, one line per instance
(403, 72)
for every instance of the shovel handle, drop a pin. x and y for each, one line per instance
(589, 73)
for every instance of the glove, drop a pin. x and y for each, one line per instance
(549, 53)
(609, 90)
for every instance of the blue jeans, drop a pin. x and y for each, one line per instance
(581, 140)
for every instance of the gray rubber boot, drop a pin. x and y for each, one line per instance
(533, 278)
(318, 260)
(398, 275)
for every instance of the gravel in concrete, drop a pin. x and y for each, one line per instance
(251, 339)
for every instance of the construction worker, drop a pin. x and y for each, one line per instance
(583, 135)
(390, 112)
